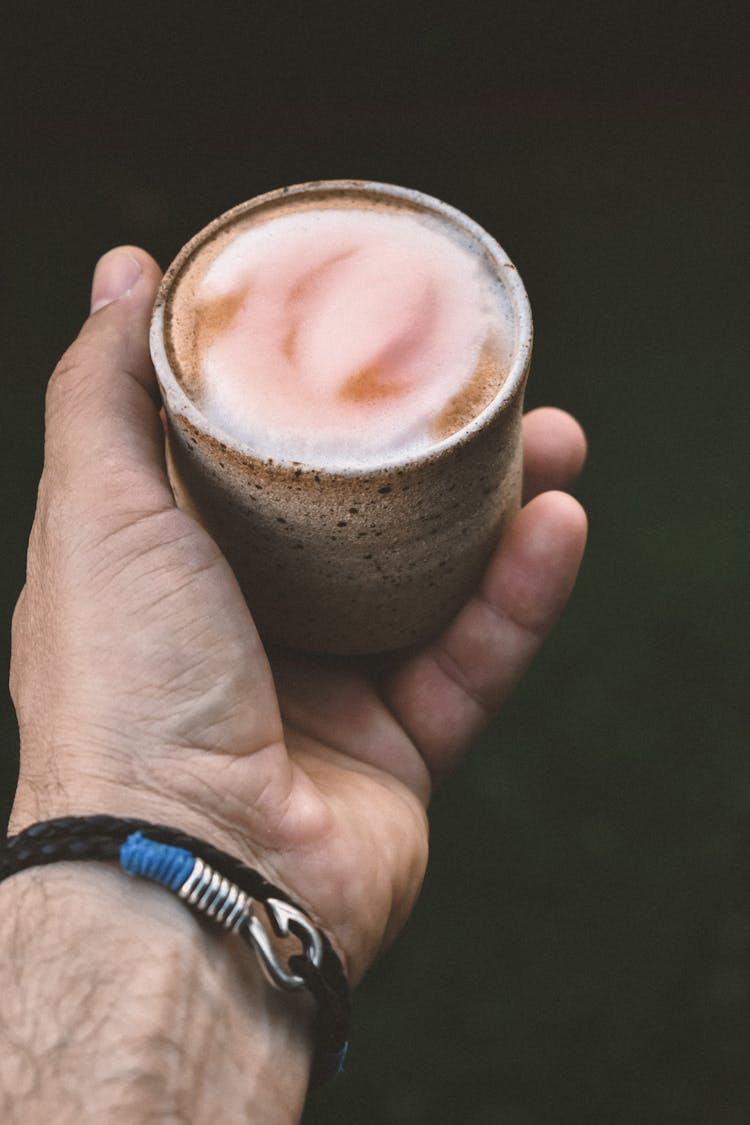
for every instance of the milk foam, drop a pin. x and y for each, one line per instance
(339, 335)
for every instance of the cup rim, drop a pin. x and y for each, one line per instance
(178, 402)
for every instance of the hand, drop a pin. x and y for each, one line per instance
(142, 687)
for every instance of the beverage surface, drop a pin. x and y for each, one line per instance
(339, 334)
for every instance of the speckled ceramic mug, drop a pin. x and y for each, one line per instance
(359, 559)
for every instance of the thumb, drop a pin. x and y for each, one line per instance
(103, 433)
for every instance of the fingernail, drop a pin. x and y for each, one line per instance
(115, 275)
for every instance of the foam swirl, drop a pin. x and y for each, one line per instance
(345, 335)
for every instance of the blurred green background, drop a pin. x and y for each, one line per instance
(581, 952)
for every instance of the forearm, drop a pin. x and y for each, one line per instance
(119, 1006)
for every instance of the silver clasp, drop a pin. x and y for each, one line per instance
(286, 920)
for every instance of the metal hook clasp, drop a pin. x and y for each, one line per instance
(286, 920)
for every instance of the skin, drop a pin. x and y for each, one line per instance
(143, 689)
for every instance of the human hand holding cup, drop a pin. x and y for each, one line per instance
(141, 689)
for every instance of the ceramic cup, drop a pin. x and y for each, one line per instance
(350, 559)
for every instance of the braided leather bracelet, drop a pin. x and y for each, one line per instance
(219, 888)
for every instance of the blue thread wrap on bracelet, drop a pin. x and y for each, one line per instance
(163, 863)
(200, 886)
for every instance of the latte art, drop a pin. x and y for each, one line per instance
(339, 335)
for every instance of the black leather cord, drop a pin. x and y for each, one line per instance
(99, 838)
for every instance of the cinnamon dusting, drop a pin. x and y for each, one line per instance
(487, 379)
(370, 384)
(213, 317)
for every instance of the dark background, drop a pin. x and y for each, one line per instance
(581, 952)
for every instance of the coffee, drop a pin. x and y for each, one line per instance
(342, 366)
(341, 332)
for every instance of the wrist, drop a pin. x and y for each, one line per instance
(116, 986)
